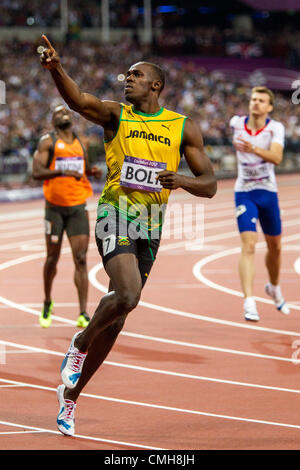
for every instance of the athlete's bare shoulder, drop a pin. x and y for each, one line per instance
(115, 109)
(84, 139)
(45, 142)
(113, 105)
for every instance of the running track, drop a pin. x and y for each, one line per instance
(187, 372)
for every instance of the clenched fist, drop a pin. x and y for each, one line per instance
(169, 179)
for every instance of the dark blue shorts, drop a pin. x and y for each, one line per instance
(114, 236)
(261, 205)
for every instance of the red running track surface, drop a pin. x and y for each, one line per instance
(187, 372)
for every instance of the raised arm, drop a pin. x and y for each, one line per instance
(104, 113)
(203, 183)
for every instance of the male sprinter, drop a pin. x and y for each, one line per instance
(259, 142)
(143, 143)
(61, 162)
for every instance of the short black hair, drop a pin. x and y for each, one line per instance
(158, 72)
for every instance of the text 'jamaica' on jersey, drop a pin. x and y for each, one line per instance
(144, 145)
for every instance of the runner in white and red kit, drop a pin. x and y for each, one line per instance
(259, 142)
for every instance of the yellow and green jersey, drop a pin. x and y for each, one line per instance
(143, 145)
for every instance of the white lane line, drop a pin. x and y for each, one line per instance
(160, 371)
(23, 308)
(93, 280)
(26, 214)
(19, 432)
(92, 207)
(34, 213)
(19, 352)
(204, 261)
(79, 436)
(97, 285)
(212, 226)
(12, 230)
(16, 225)
(57, 304)
(10, 386)
(205, 347)
(22, 233)
(30, 245)
(297, 265)
(159, 407)
(169, 341)
(225, 223)
(220, 206)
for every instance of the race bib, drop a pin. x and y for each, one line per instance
(140, 174)
(72, 164)
(254, 172)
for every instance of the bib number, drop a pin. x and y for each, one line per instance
(71, 164)
(257, 172)
(140, 174)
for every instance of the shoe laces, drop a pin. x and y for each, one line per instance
(77, 360)
(69, 408)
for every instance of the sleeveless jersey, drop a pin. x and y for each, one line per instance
(66, 190)
(143, 145)
(253, 171)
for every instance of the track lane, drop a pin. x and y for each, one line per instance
(149, 354)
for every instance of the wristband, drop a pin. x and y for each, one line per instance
(253, 148)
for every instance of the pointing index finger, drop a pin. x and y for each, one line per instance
(48, 43)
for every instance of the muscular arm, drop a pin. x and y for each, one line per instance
(273, 155)
(203, 183)
(40, 159)
(104, 113)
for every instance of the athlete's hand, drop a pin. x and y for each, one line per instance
(49, 58)
(73, 173)
(96, 172)
(243, 146)
(169, 179)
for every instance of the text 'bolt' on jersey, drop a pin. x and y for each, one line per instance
(144, 145)
(253, 171)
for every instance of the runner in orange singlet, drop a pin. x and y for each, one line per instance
(61, 162)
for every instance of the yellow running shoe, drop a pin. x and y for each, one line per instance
(83, 320)
(45, 317)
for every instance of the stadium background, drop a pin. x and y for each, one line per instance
(187, 372)
(213, 53)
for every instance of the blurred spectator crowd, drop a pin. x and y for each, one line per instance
(175, 32)
(204, 96)
(86, 14)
